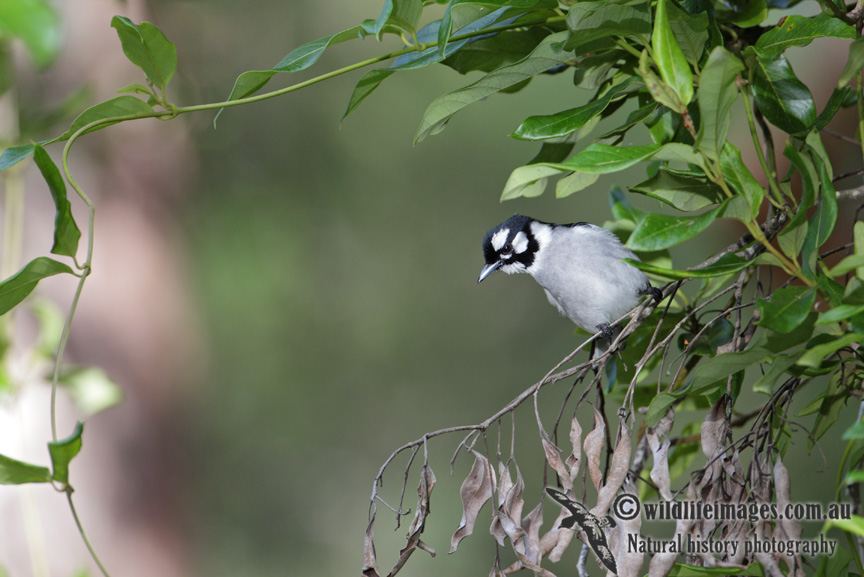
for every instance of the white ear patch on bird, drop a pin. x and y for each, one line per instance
(499, 238)
(520, 242)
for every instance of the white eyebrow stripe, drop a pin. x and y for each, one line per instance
(520, 242)
(499, 238)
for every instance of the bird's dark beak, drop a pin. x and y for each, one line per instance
(489, 269)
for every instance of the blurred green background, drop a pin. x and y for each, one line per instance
(332, 270)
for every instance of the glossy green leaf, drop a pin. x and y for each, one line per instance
(717, 94)
(856, 431)
(401, 14)
(15, 289)
(848, 264)
(809, 183)
(821, 223)
(634, 118)
(574, 183)
(787, 308)
(854, 525)
(673, 66)
(250, 82)
(840, 313)
(795, 30)
(739, 177)
(690, 30)
(727, 264)
(15, 154)
(502, 49)
(658, 408)
(604, 159)
(529, 181)
(147, 48)
(661, 92)
(121, 106)
(66, 233)
(478, 8)
(622, 208)
(444, 107)
(687, 191)
(840, 98)
(854, 64)
(14, 472)
(134, 89)
(568, 121)
(590, 21)
(835, 565)
(813, 357)
(659, 231)
(719, 333)
(783, 99)
(367, 84)
(744, 13)
(765, 383)
(62, 453)
(36, 23)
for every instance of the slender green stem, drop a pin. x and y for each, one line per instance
(770, 172)
(84, 534)
(860, 86)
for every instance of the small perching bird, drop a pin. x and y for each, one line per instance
(578, 265)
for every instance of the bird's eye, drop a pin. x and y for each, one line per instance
(507, 248)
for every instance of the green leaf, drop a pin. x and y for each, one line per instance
(839, 313)
(488, 54)
(813, 357)
(821, 223)
(787, 308)
(727, 264)
(250, 82)
(62, 453)
(36, 23)
(367, 84)
(719, 333)
(829, 410)
(854, 525)
(147, 48)
(621, 207)
(658, 407)
(90, 388)
(590, 21)
(834, 565)
(848, 264)
(15, 154)
(659, 231)
(476, 9)
(568, 121)
(444, 107)
(765, 383)
(15, 289)
(66, 233)
(744, 13)
(574, 183)
(690, 30)
(840, 98)
(135, 89)
(528, 181)
(854, 64)
(673, 66)
(856, 431)
(660, 91)
(783, 99)
(798, 30)
(681, 570)
(717, 94)
(401, 14)
(14, 472)
(121, 106)
(687, 191)
(739, 177)
(809, 183)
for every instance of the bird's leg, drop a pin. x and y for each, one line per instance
(607, 331)
(655, 293)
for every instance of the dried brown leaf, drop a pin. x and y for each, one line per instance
(477, 488)
(370, 565)
(508, 517)
(715, 429)
(531, 525)
(574, 461)
(594, 442)
(556, 540)
(783, 493)
(553, 457)
(619, 466)
(661, 563)
(659, 445)
(536, 568)
(629, 562)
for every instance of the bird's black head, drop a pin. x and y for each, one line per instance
(510, 246)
